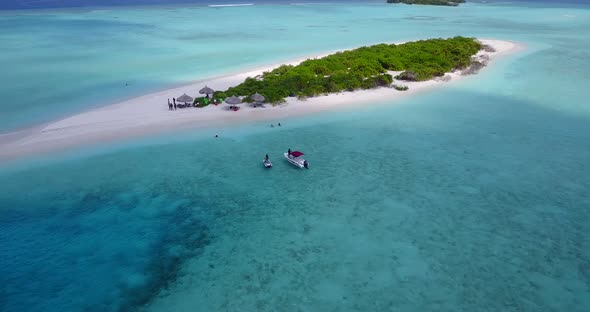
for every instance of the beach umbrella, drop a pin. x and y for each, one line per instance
(257, 98)
(232, 100)
(206, 90)
(185, 99)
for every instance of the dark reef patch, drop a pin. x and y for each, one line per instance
(124, 245)
(185, 239)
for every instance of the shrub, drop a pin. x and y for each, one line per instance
(201, 102)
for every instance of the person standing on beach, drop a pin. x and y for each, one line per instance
(169, 105)
(174, 100)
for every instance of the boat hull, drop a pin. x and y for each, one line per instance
(295, 161)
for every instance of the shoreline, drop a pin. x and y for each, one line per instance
(148, 114)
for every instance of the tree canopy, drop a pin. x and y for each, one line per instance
(362, 68)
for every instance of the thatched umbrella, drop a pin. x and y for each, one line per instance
(206, 90)
(257, 98)
(185, 99)
(233, 100)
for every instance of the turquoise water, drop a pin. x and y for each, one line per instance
(61, 62)
(470, 198)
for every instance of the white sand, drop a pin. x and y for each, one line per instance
(149, 114)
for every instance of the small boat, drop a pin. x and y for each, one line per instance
(266, 162)
(295, 159)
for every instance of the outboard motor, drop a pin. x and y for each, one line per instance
(305, 164)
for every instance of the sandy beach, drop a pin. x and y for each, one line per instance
(149, 114)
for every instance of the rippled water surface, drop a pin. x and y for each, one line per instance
(468, 198)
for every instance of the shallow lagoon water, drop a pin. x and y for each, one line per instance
(467, 198)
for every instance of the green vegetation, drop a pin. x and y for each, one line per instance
(201, 102)
(362, 68)
(429, 2)
(400, 88)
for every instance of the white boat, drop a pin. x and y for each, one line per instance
(295, 159)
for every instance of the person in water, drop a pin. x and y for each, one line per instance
(279, 124)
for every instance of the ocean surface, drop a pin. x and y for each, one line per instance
(472, 197)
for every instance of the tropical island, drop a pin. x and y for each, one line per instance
(295, 88)
(362, 68)
(429, 2)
